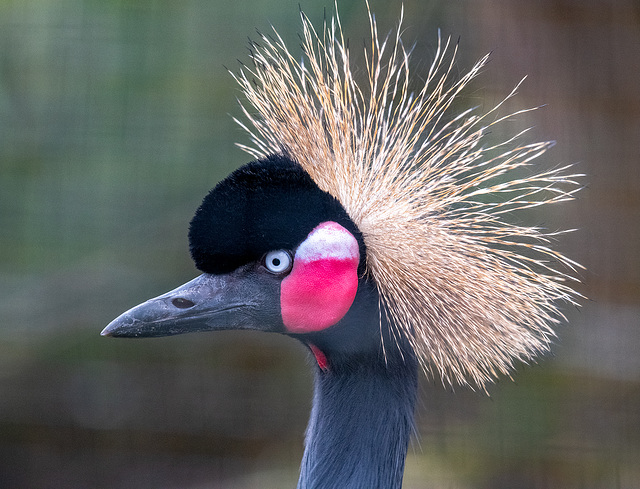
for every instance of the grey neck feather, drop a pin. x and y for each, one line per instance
(360, 426)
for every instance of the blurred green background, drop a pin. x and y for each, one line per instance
(115, 122)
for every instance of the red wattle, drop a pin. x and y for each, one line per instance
(321, 358)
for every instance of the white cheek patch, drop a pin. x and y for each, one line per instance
(328, 240)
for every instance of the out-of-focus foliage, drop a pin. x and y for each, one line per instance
(114, 123)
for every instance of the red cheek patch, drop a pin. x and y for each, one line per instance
(323, 282)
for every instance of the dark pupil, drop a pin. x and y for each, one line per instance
(275, 262)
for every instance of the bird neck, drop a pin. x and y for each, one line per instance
(360, 425)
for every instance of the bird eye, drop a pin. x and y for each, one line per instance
(278, 261)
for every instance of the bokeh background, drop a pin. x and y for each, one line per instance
(114, 123)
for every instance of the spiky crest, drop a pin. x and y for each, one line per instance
(470, 290)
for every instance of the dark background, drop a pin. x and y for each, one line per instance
(114, 123)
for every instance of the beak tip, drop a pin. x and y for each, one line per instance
(119, 326)
(111, 330)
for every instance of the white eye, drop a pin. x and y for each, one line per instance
(278, 261)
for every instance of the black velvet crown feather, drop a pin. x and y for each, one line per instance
(265, 205)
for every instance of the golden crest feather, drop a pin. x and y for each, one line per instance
(472, 291)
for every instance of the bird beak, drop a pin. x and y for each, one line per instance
(206, 303)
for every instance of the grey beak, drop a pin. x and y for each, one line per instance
(206, 303)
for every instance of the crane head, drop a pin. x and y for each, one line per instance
(381, 205)
(278, 254)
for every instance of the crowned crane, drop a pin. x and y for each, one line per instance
(371, 228)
